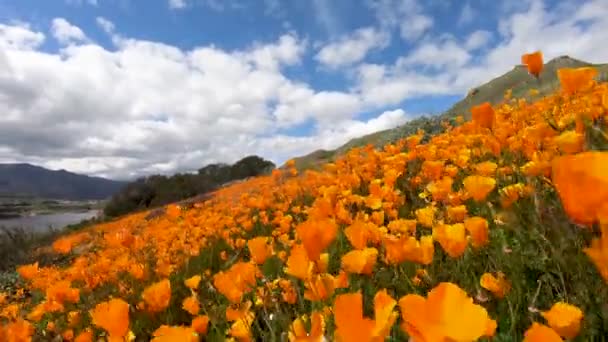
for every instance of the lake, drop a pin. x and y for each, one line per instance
(41, 223)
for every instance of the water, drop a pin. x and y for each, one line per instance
(41, 223)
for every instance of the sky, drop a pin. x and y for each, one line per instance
(125, 88)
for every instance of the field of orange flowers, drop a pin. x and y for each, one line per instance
(496, 229)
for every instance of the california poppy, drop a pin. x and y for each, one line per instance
(447, 313)
(298, 331)
(298, 263)
(452, 238)
(479, 186)
(200, 324)
(541, 333)
(260, 248)
(157, 296)
(360, 261)
(316, 235)
(478, 230)
(191, 305)
(534, 62)
(483, 115)
(113, 317)
(499, 286)
(573, 80)
(193, 282)
(565, 319)
(582, 183)
(169, 334)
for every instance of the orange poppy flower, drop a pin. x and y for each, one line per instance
(260, 249)
(157, 296)
(298, 331)
(236, 281)
(298, 263)
(565, 319)
(358, 234)
(384, 316)
(582, 183)
(319, 287)
(573, 80)
(447, 313)
(534, 62)
(28, 272)
(483, 115)
(440, 189)
(402, 226)
(113, 317)
(486, 168)
(191, 305)
(170, 334)
(457, 213)
(85, 336)
(426, 216)
(200, 324)
(17, 331)
(316, 235)
(479, 186)
(570, 142)
(360, 261)
(478, 230)
(452, 238)
(541, 333)
(193, 282)
(499, 286)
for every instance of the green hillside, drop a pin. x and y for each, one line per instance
(493, 91)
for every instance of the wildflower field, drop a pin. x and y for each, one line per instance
(496, 229)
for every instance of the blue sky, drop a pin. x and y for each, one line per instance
(122, 88)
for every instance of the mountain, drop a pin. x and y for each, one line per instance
(31, 180)
(518, 80)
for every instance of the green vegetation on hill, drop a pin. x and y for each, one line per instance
(157, 190)
(518, 80)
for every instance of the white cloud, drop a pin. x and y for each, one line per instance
(407, 15)
(450, 66)
(19, 37)
(478, 39)
(80, 2)
(198, 106)
(177, 4)
(437, 55)
(105, 24)
(65, 32)
(219, 5)
(352, 48)
(324, 15)
(467, 14)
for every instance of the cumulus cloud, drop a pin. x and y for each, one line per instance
(467, 14)
(105, 25)
(199, 106)
(80, 2)
(407, 15)
(353, 47)
(452, 65)
(177, 4)
(65, 32)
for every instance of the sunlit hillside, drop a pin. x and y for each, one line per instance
(488, 230)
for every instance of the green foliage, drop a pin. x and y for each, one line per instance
(157, 190)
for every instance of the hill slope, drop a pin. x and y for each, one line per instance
(26, 179)
(493, 91)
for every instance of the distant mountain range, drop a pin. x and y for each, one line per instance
(517, 79)
(36, 181)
